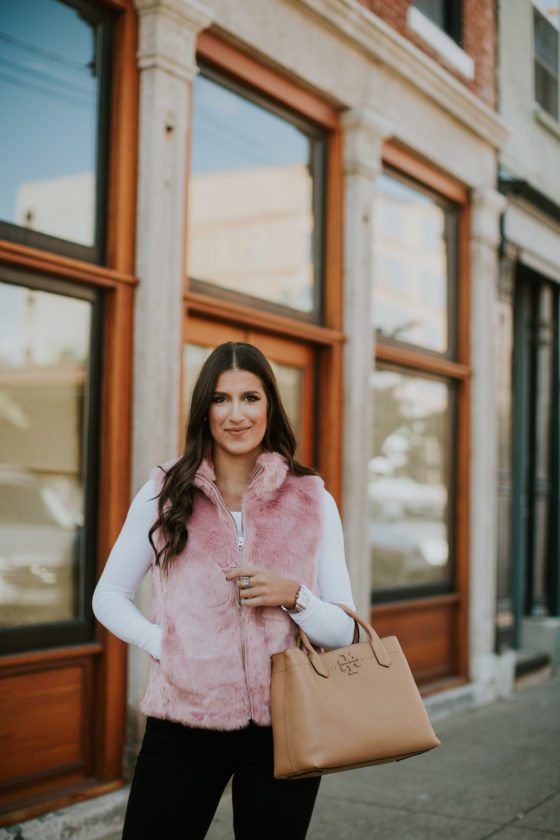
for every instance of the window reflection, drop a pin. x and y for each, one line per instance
(546, 24)
(250, 218)
(49, 91)
(411, 265)
(44, 357)
(408, 484)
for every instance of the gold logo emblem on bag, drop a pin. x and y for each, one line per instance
(348, 663)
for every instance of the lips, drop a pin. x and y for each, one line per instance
(238, 431)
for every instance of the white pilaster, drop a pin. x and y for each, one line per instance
(166, 59)
(364, 134)
(487, 206)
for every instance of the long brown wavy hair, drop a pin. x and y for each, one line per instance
(176, 498)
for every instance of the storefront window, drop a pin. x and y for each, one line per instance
(53, 68)
(408, 487)
(414, 249)
(45, 417)
(254, 222)
(411, 488)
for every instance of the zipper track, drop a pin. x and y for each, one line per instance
(239, 546)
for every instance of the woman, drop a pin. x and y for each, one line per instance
(244, 545)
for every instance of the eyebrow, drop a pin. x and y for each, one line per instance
(244, 393)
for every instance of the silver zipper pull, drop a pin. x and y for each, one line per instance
(239, 543)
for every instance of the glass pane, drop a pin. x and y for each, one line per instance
(194, 356)
(44, 356)
(411, 266)
(289, 380)
(250, 218)
(434, 9)
(408, 491)
(550, 9)
(49, 90)
(546, 90)
(546, 41)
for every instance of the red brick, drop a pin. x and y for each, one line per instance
(479, 40)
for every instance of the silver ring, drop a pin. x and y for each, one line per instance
(244, 581)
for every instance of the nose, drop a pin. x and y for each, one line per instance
(236, 413)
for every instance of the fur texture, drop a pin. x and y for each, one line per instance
(214, 670)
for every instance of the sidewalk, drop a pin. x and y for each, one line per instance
(496, 774)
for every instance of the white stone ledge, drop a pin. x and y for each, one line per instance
(546, 120)
(440, 41)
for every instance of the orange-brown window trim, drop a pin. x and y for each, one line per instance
(103, 662)
(458, 370)
(327, 338)
(224, 56)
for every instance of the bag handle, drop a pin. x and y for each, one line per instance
(377, 646)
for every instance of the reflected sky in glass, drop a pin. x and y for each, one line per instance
(48, 100)
(250, 217)
(230, 132)
(551, 10)
(410, 257)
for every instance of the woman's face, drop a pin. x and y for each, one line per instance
(238, 413)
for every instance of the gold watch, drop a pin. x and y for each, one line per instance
(302, 602)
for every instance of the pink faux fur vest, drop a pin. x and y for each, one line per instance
(214, 670)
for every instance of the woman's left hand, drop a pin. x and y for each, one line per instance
(265, 589)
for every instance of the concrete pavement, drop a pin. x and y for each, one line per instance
(496, 774)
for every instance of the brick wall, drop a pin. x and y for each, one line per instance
(479, 40)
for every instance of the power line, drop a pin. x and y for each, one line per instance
(41, 51)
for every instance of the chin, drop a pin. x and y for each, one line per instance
(241, 448)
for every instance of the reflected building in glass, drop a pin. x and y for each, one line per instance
(413, 265)
(254, 223)
(44, 383)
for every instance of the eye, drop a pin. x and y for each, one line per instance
(218, 398)
(252, 397)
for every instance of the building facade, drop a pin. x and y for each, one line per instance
(527, 329)
(150, 187)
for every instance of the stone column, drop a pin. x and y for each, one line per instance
(364, 133)
(487, 206)
(166, 59)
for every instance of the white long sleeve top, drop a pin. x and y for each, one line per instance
(132, 555)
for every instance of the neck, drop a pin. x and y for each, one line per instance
(233, 471)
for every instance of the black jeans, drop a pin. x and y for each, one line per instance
(181, 773)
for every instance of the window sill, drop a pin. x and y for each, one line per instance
(439, 41)
(546, 120)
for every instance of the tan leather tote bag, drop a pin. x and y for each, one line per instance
(346, 708)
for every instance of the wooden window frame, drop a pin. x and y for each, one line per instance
(327, 338)
(317, 142)
(102, 661)
(77, 630)
(450, 609)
